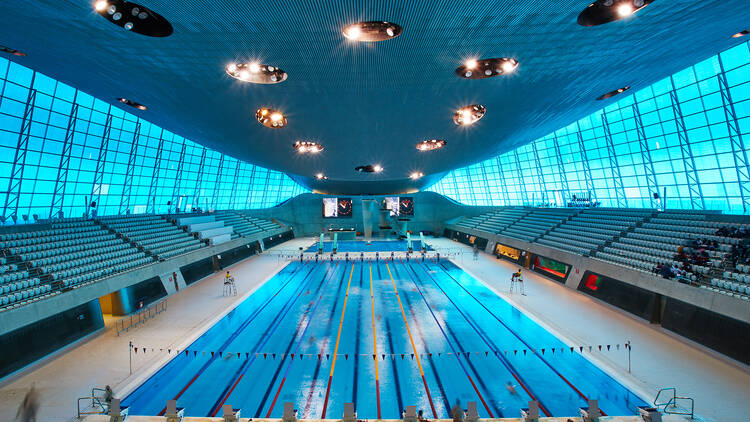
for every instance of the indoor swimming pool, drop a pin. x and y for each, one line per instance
(382, 335)
(371, 246)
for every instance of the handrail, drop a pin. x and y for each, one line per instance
(94, 401)
(656, 399)
(140, 316)
(673, 403)
(93, 394)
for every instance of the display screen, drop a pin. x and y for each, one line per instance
(337, 207)
(406, 205)
(399, 205)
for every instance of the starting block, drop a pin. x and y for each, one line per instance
(174, 413)
(472, 415)
(410, 414)
(117, 413)
(349, 414)
(531, 413)
(290, 413)
(230, 414)
(649, 414)
(590, 413)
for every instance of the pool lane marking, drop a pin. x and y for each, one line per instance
(234, 335)
(450, 344)
(418, 329)
(266, 336)
(324, 345)
(445, 270)
(299, 343)
(394, 367)
(375, 344)
(336, 349)
(411, 339)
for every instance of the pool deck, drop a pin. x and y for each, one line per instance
(659, 359)
(668, 418)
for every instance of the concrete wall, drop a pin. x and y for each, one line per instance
(305, 213)
(728, 306)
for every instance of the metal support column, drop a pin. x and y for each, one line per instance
(694, 187)
(217, 182)
(96, 187)
(586, 167)
(265, 189)
(235, 181)
(561, 170)
(151, 209)
(250, 187)
(501, 172)
(58, 194)
(19, 162)
(622, 201)
(521, 183)
(735, 139)
(199, 181)
(539, 173)
(648, 164)
(129, 170)
(178, 178)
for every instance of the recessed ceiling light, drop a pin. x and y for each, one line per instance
(431, 144)
(134, 17)
(613, 93)
(256, 73)
(416, 175)
(369, 168)
(741, 33)
(139, 106)
(305, 147)
(605, 11)
(321, 176)
(271, 118)
(372, 31)
(486, 68)
(9, 50)
(469, 115)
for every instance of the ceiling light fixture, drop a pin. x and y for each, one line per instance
(741, 33)
(486, 68)
(270, 118)
(256, 73)
(469, 115)
(321, 176)
(605, 11)
(14, 52)
(304, 147)
(369, 168)
(613, 93)
(431, 144)
(372, 31)
(134, 17)
(139, 106)
(416, 175)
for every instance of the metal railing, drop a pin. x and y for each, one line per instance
(140, 316)
(670, 406)
(95, 403)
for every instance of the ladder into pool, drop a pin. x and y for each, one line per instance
(673, 403)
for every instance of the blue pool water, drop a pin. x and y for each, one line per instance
(361, 246)
(433, 329)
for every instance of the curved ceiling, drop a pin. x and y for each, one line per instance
(367, 103)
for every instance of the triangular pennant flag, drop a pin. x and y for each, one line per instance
(402, 356)
(328, 356)
(383, 355)
(553, 350)
(144, 350)
(485, 353)
(439, 354)
(136, 350)
(247, 355)
(152, 349)
(161, 350)
(589, 348)
(571, 349)
(292, 356)
(194, 353)
(467, 355)
(319, 356)
(515, 352)
(608, 347)
(600, 347)
(169, 350)
(618, 346)
(542, 351)
(580, 348)
(273, 355)
(524, 352)
(212, 354)
(221, 353)
(430, 355)
(346, 356)
(186, 352)
(265, 355)
(238, 355)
